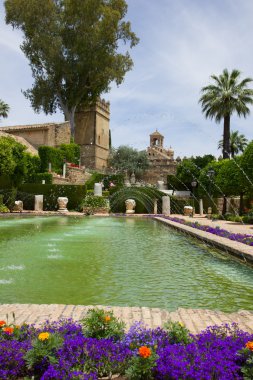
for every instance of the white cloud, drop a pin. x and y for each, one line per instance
(181, 44)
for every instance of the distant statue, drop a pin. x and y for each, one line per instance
(130, 206)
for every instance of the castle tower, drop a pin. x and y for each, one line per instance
(156, 139)
(92, 134)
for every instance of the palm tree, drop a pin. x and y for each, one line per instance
(4, 109)
(237, 143)
(225, 96)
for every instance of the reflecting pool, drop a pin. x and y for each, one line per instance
(115, 261)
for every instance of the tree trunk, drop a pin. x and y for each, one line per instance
(241, 204)
(69, 115)
(224, 207)
(226, 137)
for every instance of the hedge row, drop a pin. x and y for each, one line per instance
(75, 194)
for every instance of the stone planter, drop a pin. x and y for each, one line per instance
(130, 206)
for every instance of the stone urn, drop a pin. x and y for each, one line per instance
(130, 206)
(18, 206)
(62, 204)
(188, 210)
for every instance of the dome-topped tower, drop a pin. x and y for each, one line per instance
(161, 160)
(156, 139)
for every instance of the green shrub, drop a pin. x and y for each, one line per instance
(71, 152)
(102, 324)
(142, 367)
(50, 154)
(9, 197)
(248, 219)
(217, 217)
(177, 332)
(43, 351)
(94, 201)
(4, 208)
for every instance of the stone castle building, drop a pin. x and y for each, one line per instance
(161, 160)
(91, 133)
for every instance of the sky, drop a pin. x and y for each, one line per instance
(182, 43)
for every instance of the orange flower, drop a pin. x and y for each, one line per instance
(144, 352)
(2, 323)
(8, 330)
(107, 318)
(249, 345)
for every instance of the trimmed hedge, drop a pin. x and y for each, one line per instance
(38, 177)
(75, 194)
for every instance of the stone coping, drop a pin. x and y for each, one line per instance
(195, 320)
(240, 251)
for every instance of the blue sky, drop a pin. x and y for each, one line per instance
(182, 42)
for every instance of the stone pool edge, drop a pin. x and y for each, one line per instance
(240, 251)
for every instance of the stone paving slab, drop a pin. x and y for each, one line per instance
(195, 320)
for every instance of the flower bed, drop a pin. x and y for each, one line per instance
(98, 347)
(241, 238)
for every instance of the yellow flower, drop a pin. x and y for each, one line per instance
(107, 318)
(181, 324)
(43, 336)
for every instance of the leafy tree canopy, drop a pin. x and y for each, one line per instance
(127, 159)
(4, 109)
(189, 168)
(13, 160)
(246, 163)
(225, 96)
(74, 48)
(237, 143)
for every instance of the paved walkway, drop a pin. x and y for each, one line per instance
(194, 319)
(233, 227)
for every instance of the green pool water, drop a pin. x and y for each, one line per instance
(115, 261)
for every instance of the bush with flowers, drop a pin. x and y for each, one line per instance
(63, 350)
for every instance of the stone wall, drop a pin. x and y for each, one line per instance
(159, 173)
(50, 134)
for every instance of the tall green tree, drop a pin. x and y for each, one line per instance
(237, 143)
(4, 109)
(224, 97)
(127, 159)
(75, 49)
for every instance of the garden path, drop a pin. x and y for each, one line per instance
(194, 319)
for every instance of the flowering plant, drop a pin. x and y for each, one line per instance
(102, 324)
